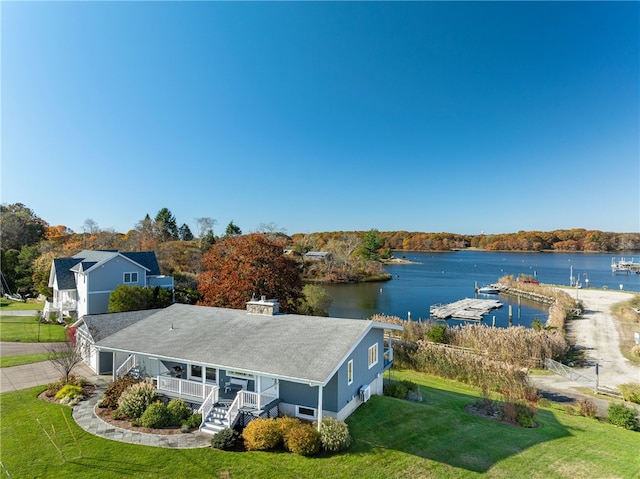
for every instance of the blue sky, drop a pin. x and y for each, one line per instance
(419, 116)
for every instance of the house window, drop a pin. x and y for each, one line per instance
(131, 277)
(305, 412)
(210, 374)
(350, 372)
(196, 371)
(373, 355)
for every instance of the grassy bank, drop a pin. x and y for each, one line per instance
(392, 439)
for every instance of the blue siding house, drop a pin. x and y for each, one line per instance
(82, 283)
(236, 365)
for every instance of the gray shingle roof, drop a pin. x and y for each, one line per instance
(86, 259)
(303, 348)
(102, 326)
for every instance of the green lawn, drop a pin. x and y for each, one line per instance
(19, 360)
(27, 329)
(8, 305)
(392, 439)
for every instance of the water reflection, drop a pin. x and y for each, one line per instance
(447, 277)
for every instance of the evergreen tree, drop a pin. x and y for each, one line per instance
(166, 225)
(185, 233)
(232, 230)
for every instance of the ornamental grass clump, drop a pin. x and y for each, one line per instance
(587, 408)
(70, 395)
(114, 391)
(136, 398)
(334, 435)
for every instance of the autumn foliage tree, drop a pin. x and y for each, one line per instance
(240, 267)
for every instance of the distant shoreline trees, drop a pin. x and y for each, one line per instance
(29, 243)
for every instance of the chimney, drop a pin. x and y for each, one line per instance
(264, 307)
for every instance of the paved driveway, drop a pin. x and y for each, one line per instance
(36, 374)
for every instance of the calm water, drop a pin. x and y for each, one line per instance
(448, 277)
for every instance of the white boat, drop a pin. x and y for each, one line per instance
(621, 266)
(491, 289)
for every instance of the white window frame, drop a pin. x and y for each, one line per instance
(132, 274)
(373, 355)
(306, 416)
(350, 372)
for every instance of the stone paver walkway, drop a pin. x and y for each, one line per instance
(85, 416)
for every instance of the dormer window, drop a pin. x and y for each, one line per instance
(130, 277)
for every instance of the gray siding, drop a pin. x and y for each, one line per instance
(106, 278)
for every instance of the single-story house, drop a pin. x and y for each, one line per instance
(236, 365)
(83, 282)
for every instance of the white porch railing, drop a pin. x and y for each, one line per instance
(184, 387)
(208, 404)
(128, 365)
(249, 400)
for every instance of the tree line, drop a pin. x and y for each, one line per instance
(29, 245)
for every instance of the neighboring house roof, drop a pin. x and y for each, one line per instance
(317, 255)
(62, 271)
(101, 326)
(63, 268)
(301, 348)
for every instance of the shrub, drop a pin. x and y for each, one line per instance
(69, 391)
(400, 389)
(303, 439)
(284, 425)
(261, 435)
(135, 399)
(225, 440)
(437, 333)
(114, 391)
(630, 392)
(517, 413)
(587, 408)
(622, 416)
(156, 415)
(193, 421)
(179, 411)
(334, 435)
(53, 388)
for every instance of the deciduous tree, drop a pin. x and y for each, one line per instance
(240, 267)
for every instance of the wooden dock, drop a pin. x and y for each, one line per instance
(470, 309)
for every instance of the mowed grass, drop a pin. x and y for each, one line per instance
(27, 329)
(392, 439)
(21, 359)
(29, 305)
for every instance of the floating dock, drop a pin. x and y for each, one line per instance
(469, 309)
